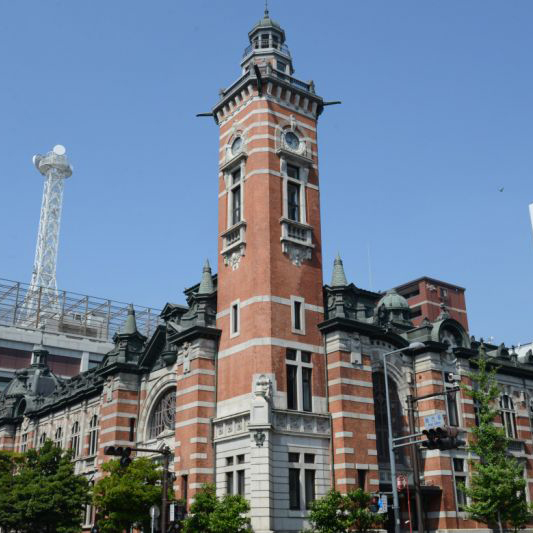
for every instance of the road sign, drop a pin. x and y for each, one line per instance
(433, 421)
(154, 511)
(171, 512)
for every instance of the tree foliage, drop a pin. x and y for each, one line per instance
(40, 492)
(343, 513)
(124, 497)
(497, 485)
(208, 514)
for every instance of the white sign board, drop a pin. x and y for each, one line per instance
(433, 421)
(383, 504)
(172, 512)
(154, 511)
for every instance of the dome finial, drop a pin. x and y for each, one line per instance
(266, 9)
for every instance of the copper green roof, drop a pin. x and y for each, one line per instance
(393, 300)
(206, 285)
(130, 326)
(338, 277)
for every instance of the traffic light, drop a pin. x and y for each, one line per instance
(442, 438)
(119, 451)
(374, 504)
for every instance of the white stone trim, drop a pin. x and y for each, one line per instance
(202, 440)
(344, 381)
(194, 404)
(339, 451)
(438, 473)
(341, 434)
(349, 398)
(198, 456)
(270, 298)
(270, 341)
(344, 364)
(346, 414)
(194, 388)
(192, 421)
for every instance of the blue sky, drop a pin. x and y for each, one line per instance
(437, 115)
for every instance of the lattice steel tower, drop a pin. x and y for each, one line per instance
(42, 293)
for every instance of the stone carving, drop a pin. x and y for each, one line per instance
(263, 387)
(187, 349)
(234, 258)
(297, 254)
(232, 426)
(259, 438)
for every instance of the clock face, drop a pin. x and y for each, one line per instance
(236, 146)
(292, 141)
(451, 338)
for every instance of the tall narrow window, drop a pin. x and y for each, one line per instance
(185, 488)
(460, 478)
(292, 387)
(293, 172)
(508, 416)
(240, 482)
(236, 197)
(309, 487)
(75, 439)
(93, 435)
(23, 442)
(293, 197)
(306, 389)
(42, 439)
(294, 489)
(58, 437)
(297, 315)
(235, 318)
(229, 482)
(132, 430)
(453, 414)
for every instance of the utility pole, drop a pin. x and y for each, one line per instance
(416, 466)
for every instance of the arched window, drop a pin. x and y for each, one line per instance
(508, 416)
(380, 412)
(163, 415)
(58, 437)
(75, 439)
(93, 435)
(42, 439)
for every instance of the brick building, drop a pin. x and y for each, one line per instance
(269, 382)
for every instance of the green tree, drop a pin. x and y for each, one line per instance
(41, 493)
(124, 497)
(497, 485)
(208, 514)
(343, 513)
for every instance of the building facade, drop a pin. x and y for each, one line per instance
(269, 382)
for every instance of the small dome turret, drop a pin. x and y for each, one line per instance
(393, 307)
(267, 46)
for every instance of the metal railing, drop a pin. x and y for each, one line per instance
(71, 313)
(265, 44)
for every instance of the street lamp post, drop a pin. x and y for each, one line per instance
(395, 498)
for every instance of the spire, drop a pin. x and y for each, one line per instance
(130, 326)
(338, 278)
(206, 285)
(266, 9)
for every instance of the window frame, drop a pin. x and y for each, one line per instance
(151, 431)
(508, 416)
(235, 318)
(75, 435)
(300, 491)
(294, 319)
(295, 387)
(93, 435)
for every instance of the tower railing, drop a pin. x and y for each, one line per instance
(71, 314)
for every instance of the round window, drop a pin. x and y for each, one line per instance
(292, 140)
(236, 146)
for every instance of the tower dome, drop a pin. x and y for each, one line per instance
(393, 307)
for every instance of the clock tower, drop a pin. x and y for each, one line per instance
(272, 430)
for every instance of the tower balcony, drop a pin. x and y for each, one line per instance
(234, 244)
(296, 240)
(266, 45)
